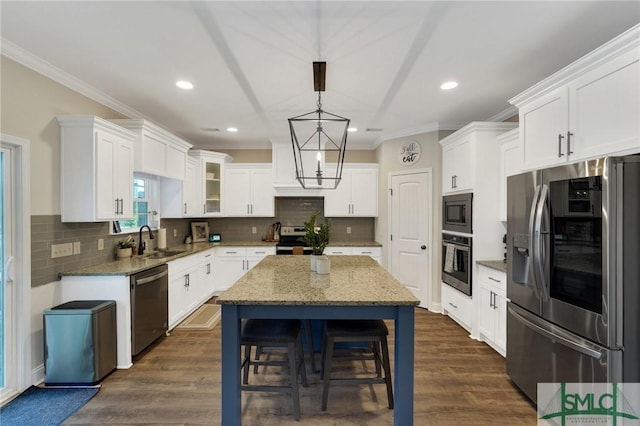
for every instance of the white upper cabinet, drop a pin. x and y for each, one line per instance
(588, 109)
(510, 164)
(209, 182)
(250, 189)
(357, 193)
(181, 198)
(96, 168)
(458, 165)
(469, 157)
(157, 151)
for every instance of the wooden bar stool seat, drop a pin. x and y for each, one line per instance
(372, 332)
(277, 333)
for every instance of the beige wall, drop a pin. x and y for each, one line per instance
(29, 105)
(264, 156)
(431, 158)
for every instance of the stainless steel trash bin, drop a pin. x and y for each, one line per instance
(80, 342)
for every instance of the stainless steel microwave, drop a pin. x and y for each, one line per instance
(457, 213)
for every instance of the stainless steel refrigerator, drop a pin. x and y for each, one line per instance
(573, 274)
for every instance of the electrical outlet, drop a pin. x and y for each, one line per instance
(76, 247)
(348, 229)
(254, 230)
(61, 250)
(100, 243)
(175, 232)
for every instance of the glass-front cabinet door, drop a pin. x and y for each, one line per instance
(210, 182)
(212, 187)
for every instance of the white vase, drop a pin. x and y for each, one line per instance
(123, 253)
(314, 258)
(323, 265)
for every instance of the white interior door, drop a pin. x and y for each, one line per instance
(410, 232)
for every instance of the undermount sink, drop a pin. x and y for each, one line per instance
(166, 253)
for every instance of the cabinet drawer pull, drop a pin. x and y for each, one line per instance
(493, 279)
(365, 252)
(185, 208)
(261, 252)
(560, 137)
(453, 306)
(569, 134)
(230, 252)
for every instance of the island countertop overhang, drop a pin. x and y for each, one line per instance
(288, 280)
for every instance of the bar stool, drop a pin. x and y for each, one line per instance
(373, 332)
(306, 324)
(282, 333)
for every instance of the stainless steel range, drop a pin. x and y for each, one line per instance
(290, 238)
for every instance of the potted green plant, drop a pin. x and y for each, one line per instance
(124, 248)
(316, 236)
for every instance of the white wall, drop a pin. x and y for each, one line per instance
(431, 157)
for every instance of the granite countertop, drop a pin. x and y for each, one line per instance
(498, 265)
(137, 264)
(354, 244)
(288, 280)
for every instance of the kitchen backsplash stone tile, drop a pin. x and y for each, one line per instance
(47, 230)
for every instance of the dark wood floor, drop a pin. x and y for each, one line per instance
(458, 381)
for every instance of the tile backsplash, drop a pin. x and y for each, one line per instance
(47, 230)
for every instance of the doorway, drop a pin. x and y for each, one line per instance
(15, 255)
(410, 228)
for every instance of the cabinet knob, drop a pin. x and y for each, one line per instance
(423, 247)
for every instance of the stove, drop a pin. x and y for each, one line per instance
(289, 238)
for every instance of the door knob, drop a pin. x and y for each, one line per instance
(423, 247)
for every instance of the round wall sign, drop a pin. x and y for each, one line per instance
(409, 153)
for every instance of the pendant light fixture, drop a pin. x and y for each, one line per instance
(319, 140)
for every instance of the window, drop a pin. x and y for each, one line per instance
(145, 204)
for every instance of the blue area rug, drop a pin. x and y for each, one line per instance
(45, 406)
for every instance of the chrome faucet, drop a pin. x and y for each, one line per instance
(141, 243)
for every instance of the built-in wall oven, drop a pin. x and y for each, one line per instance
(456, 262)
(456, 213)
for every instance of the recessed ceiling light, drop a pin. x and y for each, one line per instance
(352, 129)
(232, 129)
(184, 84)
(449, 85)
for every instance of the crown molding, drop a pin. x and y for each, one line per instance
(418, 130)
(625, 42)
(509, 112)
(39, 65)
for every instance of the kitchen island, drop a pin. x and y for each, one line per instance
(284, 287)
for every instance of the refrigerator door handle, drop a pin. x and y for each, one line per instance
(565, 340)
(538, 245)
(532, 224)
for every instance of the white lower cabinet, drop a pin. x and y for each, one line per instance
(491, 311)
(374, 252)
(190, 284)
(231, 263)
(457, 305)
(182, 286)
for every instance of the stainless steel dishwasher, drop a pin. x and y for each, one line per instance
(149, 306)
